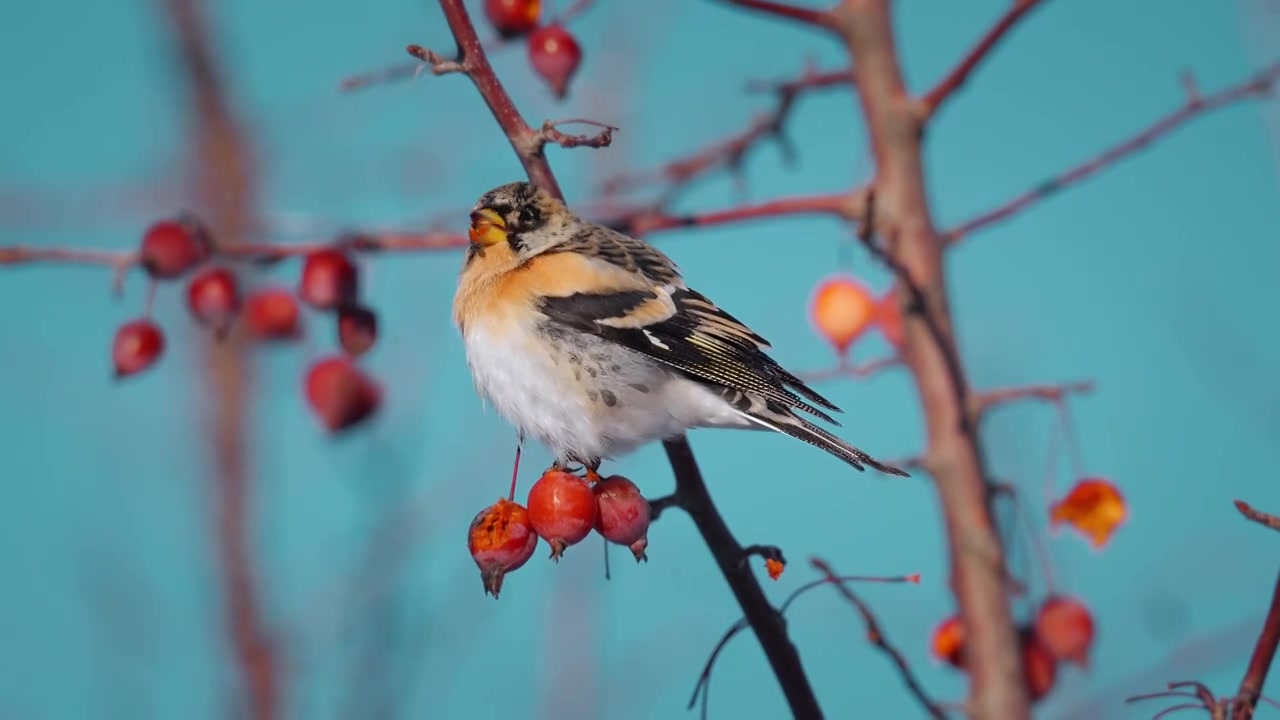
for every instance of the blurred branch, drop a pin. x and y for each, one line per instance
(941, 92)
(642, 221)
(877, 637)
(848, 369)
(981, 402)
(807, 16)
(1260, 85)
(731, 154)
(913, 249)
(220, 156)
(1262, 518)
(1264, 651)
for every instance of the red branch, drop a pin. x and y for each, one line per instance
(934, 99)
(1262, 518)
(1264, 652)
(225, 189)
(877, 637)
(816, 18)
(731, 154)
(642, 221)
(1260, 85)
(983, 401)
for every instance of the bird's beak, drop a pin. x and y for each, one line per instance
(487, 228)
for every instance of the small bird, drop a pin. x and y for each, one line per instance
(590, 341)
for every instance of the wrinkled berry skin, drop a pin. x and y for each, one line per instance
(622, 514)
(500, 540)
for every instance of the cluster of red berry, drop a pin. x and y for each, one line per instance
(1063, 632)
(562, 509)
(553, 52)
(338, 392)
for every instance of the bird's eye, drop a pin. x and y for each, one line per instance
(529, 217)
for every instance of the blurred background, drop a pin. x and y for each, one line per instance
(1155, 280)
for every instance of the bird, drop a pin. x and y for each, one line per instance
(591, 342)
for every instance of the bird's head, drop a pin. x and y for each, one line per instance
(521, 215)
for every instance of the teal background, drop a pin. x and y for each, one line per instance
(1156, 280)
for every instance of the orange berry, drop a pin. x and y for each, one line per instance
(948, 641)
(562, 509)
(500, 540)
(1066, 629)
(513, 18)
(1094, 507)
(774, 567)
(842, 309)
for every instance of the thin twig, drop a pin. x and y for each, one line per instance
(1260, 85)
(877, 637)
(848, 369)
(806, 16)
(981, 402)
(1264, 651)
(642, 221)
(1262, 518)
(934, 99)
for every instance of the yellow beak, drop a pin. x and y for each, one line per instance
(487, 228)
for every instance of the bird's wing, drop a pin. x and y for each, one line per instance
(630, 294)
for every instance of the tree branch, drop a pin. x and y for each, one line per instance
(1264, 651)
(981, 402)
(1260, 85)
(642, 221)
(877, 637)
(1262, 518)
(765, 620)
(806, 16)
(941, 92)
(731, 154)
(903, 219)
(847, 369)
(220, 155)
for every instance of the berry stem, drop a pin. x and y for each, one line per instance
(515, 468)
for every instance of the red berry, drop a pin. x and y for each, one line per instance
(562, 509)
(1040, 669)
(340, 394)
(501, 539)
(842, 309)
(213, 297)
(948, 641)
(137, 346)
(329, 280)
(555, 55)
(357, 329)
(272, 314)
(889, 319)
(1066, 629)
(172, 247)
(622, 514)
(512, 18)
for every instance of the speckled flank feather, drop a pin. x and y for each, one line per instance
(591, 342)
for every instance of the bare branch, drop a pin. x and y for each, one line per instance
(549, 133)
(731, 154)
(642, 221)
(847, 369)
(1260, 85)
(983, 401)
(816, 18)
(1262, 518)
(1264, 652)
(941, 92)
(877, 637)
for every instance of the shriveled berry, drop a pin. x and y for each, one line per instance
(555, 55)
(622, 514)
(213, 297)
(137, 346)
(357, 329)
(513, 18)
(1040, 669)
(172, 247)
(1065, 626)
(842, 309)
(340, 394)
(948, 641)
(889, 319)
(500, 539)
(272, 314)
(329, 280)
(562, 509)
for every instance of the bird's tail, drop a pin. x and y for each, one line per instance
(780, 419)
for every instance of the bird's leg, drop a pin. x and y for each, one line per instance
(593, 467)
